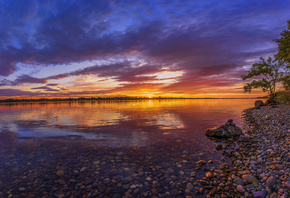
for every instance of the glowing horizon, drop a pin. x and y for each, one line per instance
(116, 48)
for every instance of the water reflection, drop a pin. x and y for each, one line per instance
(119, 123)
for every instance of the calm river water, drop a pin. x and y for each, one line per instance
(141, 148)
(120, 123)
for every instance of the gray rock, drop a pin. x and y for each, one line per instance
(224, 131)
(189, 186)
(22, 189)
(249, 178)
(259, 194)
(278, 167)
(271, 181)
(201, 163)
(240, 189)
(83, 169)
(239, 181)
(274, 195)
(287, 184)
(212, 191)
(173, 192)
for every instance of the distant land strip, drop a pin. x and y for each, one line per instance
(72, 99)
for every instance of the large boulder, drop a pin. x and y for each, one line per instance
(259, 103)
(228, 130)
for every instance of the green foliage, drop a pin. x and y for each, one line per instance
(284, 46)
(283, 97)
(286, 82)
(255, 184)
(268, 74)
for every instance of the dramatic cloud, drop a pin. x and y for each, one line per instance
(45, 88)
(52, 84)
(209, 41)
(16, 92)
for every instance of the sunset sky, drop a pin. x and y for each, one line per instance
(183, 48)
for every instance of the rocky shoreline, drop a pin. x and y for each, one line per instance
(259, 160)
(50, 168)
(256, 164)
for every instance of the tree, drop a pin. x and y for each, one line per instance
(284, 46)
(268, 73)
(284, 54)
(286, 82)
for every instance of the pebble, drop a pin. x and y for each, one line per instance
(22, 189)
(287, 184)
(249, 178)
(240, 189)
(208, 175)
(154, 191)
(148, 178)
(83, 169)
(278, 167)
(201, 163)
(259, 194)
(271, 181)
(189, 186)
(212, 192)
(59, 173)
(173, 192)
(107, 180)
(239, 181)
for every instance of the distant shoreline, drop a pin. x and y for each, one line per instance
(106, 99)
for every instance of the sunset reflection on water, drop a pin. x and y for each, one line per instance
(120, 123)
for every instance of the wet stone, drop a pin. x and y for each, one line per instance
(239, 181)
(60, 173)
(249, 178)
(287, 184)
(212, 192)
(83, 169)
(189, 186)
(278, 167)
(271, 181)
(201, 163)
(208, 175)
(259, 194)
(174, 192)
(22, 189)
(240, 189)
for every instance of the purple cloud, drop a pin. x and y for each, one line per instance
(45, 88)
(17, 92)
(200, 38)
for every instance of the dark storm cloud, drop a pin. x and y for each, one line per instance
(200, 38)
(28, 79)
(121, 71)
(52, 84)
(17, 92)
(45, 88)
